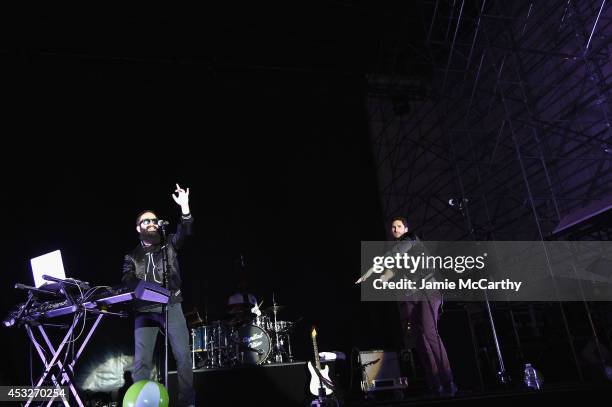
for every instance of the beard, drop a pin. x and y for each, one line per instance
(403, 236)
(150, 236)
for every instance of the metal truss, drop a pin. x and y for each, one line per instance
(511, 120)
(506, 131)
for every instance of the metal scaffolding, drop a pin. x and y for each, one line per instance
(500, 129)
(508, 129)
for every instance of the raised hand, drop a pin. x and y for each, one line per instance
(181, 197)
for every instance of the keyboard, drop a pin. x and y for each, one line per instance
(103, 298)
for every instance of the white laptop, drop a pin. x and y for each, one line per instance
(49, 264)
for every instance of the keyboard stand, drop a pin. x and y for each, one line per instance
(57, 368)
(55, 363)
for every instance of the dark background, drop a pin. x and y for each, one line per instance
(261, 111)
(100, 126)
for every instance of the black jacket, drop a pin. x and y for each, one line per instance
(410, 243)
(136, 263)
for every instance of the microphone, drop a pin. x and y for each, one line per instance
(457, 203)
(162, 223)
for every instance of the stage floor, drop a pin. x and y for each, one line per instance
(583, 395)
(286, 384)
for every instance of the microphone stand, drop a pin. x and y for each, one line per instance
(502, 375)
(162, 228)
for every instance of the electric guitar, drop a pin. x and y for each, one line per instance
(315, 382)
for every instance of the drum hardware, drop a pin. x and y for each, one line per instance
(243, 339)
(210, 344)
(262, 321)
(278, 356)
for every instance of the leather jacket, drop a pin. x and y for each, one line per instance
(146, 261)
(411, 243)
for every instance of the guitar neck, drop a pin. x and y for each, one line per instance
(316, 352)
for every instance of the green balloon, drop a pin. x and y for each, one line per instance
(146, 393)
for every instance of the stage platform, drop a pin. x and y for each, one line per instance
(286, 384)
(278, 384)
(570, 394)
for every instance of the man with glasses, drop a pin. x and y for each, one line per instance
(145, 263)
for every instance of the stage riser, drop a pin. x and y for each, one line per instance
(283, 385)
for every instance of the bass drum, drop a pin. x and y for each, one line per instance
(253, 345)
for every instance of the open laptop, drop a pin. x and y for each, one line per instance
(49, 264)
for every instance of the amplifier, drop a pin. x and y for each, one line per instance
(380, 370)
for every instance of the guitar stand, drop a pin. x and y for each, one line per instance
(323, 400)
(66, 372)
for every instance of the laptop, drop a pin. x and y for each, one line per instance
(49, 264)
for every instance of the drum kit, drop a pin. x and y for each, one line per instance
(241, 338)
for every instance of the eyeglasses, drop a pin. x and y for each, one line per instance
(147, 222)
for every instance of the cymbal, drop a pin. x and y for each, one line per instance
(274, 308)
(193, 318)
(195, 323)
(190, 313)
(208, 319)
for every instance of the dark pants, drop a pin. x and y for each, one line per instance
(148, 325)
(423, 317)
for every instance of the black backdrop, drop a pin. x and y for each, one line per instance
(278, 163)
